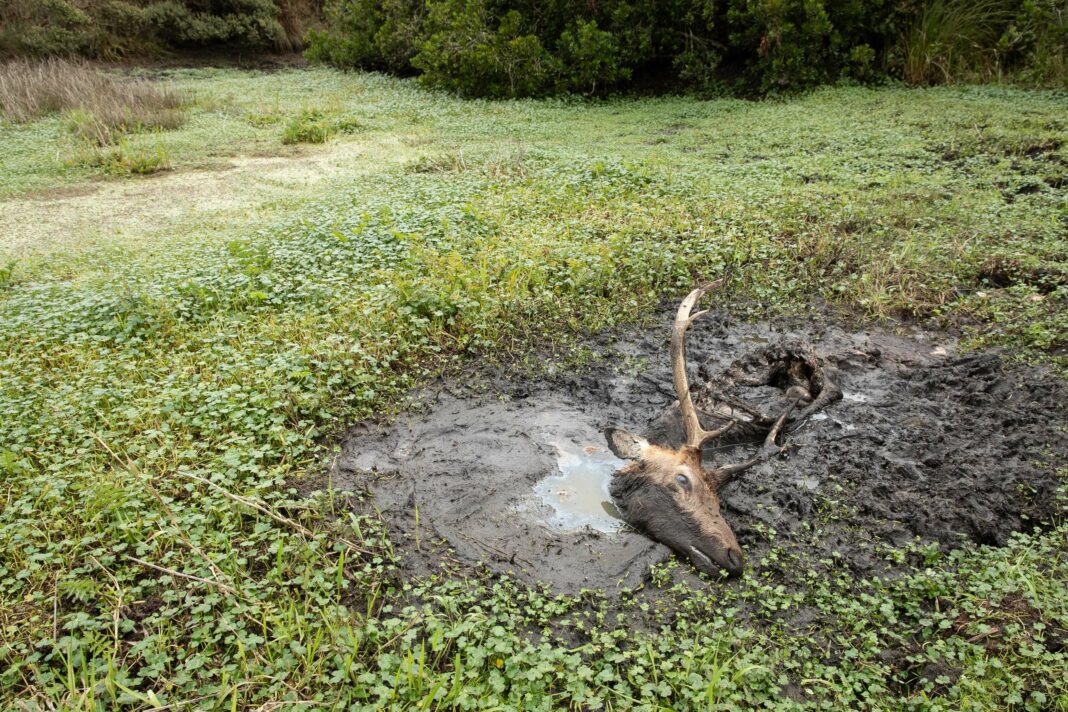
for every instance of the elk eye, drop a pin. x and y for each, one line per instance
(683, 480)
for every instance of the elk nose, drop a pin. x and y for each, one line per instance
(734, 562)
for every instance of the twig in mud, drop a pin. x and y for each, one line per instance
(489, 547)
(850, 436)
(658, 385)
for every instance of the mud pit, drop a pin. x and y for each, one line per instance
(928, 443)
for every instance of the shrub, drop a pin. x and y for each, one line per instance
(509, 48)
(471, 53)
(252, 23)
(514, 48)
(594, 57)
(372, 34)
(794, 44)
(1039, 34)
(99, 107)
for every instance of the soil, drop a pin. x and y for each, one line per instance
(928, 444)
(232, 190)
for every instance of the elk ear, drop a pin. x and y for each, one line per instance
(625, 445)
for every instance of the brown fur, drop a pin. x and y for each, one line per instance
(692, 520)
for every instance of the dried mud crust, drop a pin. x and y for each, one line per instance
(927, 443)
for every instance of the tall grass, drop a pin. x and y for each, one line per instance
(100, 107)
(953, 40)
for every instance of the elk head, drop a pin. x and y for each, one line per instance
(668, 493)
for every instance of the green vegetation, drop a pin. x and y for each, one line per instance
(164, 387)
(110, 29)
(100, 110)
(521, 48)
(122, 160)
(512, 48)
(315, 126)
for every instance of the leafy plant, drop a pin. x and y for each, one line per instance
(316, 126)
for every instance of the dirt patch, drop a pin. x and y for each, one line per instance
(926, 443)
(236, 192)
(69, 191)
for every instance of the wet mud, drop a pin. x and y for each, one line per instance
(927, 444)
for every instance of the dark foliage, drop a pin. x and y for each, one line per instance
(512, 48)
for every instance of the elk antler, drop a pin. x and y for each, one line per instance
(767, 426)
(722, 475)
(696, 436)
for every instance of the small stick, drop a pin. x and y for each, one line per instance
(263, 509)
(495, 550)
(221, 586)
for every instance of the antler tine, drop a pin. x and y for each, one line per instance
(696, 436)
(722, 475)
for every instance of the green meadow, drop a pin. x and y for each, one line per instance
(191, 317)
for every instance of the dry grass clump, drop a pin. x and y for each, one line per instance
(100, 107)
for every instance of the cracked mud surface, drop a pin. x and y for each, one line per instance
(927, 443)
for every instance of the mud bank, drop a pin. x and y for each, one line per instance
(927, 444)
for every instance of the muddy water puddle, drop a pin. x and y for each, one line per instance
(928, 444)
(578, 494)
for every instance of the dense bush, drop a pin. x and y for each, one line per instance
(115, 28)
(508, 48)
(1039, 32)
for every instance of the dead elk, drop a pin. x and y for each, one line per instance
(668, 493)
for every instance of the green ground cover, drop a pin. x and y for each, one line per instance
(160, 386)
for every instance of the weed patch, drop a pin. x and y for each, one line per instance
(124, 159)
(315, 126)
(99, 106)
(444, 163)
